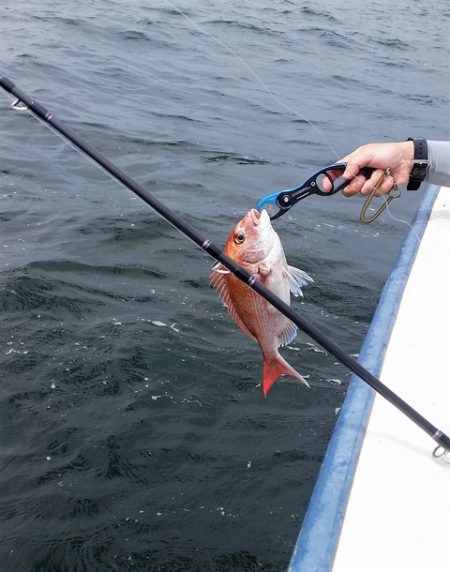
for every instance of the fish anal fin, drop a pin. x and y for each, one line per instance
(275, 367)
(288, 335)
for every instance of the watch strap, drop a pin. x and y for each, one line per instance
(419, 165)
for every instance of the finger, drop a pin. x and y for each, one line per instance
(326, 184)
(354, 187)
(371, 183)
(386, 186)
(351, 170)
(334, 173)
(383, 183)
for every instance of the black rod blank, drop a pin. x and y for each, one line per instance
(310, 329)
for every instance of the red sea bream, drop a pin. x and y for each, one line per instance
(255, 245)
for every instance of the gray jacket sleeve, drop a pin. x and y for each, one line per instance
(439, 157)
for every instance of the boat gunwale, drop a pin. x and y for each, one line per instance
(318, 539)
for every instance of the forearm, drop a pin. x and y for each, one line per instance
(439, 157)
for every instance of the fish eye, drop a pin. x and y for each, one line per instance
(239, 237)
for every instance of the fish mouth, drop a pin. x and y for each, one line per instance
(263, 219)
(259, 218)
(254, 216)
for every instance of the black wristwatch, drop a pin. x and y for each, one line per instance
(419, 165)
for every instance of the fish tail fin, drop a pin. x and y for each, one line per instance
(273, 368)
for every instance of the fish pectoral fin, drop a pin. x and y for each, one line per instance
(220, 269)
(296, 279)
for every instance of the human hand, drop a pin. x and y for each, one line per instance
(397, 157)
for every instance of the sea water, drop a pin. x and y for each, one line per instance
(133, 430)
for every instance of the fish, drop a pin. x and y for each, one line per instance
(254, 245)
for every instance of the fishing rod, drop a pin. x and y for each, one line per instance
(310, 329)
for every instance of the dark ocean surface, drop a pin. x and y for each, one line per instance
(133, 430)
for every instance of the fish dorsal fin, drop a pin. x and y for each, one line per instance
(218, 280)
(296, 279)
(288, 335)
